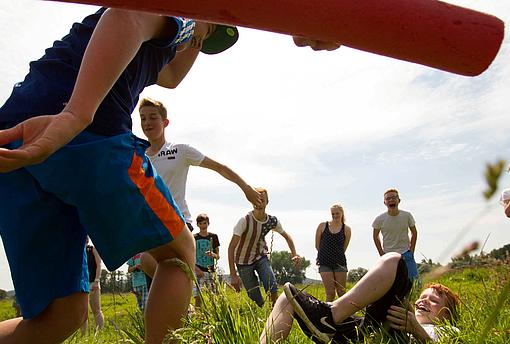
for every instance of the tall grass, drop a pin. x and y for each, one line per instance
(229, 317)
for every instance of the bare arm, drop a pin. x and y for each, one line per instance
(347, 232)
(414, 237)
(102, 64)
(377, 241)
(405, 320)
(174, 72)
(234, 278)
(133, 268)
(252, 196)
(294, 256)
(318, 235)
(98, 264)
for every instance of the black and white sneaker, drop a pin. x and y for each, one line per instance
(315, 314)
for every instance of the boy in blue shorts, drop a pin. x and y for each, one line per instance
(71, 166)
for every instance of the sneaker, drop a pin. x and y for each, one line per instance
(315, 314)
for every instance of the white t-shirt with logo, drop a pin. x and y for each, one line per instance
(172, 163)
(394, 230)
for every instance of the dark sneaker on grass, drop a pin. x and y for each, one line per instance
(315, 314)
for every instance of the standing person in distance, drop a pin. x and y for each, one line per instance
(394, 225)
(331, 241)
(94, 269)
(208, 253)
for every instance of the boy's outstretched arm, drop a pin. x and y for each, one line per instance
(293, 255)
(253, 196)
(235, 281)
(115, 41)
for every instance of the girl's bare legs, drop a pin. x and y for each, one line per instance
(95, 307)
(340, 282)
(328, 280)
(369, 289)
(279, 323)
(58, 321)
(170, 291)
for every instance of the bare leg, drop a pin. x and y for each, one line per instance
(95, 306)
(369, 289)
(328, 280)
(84, 327)
(274, 297)
(279, 323)
(57, 322)
(149, 264)
(170, 291)
(340, 282)
(198, 302)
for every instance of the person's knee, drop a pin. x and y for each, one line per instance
(391, 258)
(74, 308)
(148, 264)
(182, 247)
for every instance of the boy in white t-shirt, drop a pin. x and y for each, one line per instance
(172, 160)
(394, 226)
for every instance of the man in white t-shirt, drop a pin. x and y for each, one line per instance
(394, 226)
(172, 162)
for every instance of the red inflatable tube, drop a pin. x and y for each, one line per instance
(428, 32)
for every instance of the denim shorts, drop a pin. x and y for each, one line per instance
(101, 186)
(412, 269)
(251, 282)
(339, 268)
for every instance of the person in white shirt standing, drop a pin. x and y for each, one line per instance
(172, 162)
(394, 226)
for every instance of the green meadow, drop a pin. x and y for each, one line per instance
(229, 317)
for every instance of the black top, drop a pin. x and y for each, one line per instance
(91, 262)
(331, 248)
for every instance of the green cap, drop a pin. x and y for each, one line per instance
(220, 40)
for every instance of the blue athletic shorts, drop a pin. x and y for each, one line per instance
(101, 186)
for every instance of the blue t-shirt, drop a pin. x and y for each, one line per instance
(50, 81)
(137, 276)
(204, 244)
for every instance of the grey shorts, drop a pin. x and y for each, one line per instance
(339, 268)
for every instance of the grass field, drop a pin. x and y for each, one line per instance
(233, 318)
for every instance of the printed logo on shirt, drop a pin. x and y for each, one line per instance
(169, 153)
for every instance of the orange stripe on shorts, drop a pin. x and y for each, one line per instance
(154, 198)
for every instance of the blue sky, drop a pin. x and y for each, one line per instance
(317, 128)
